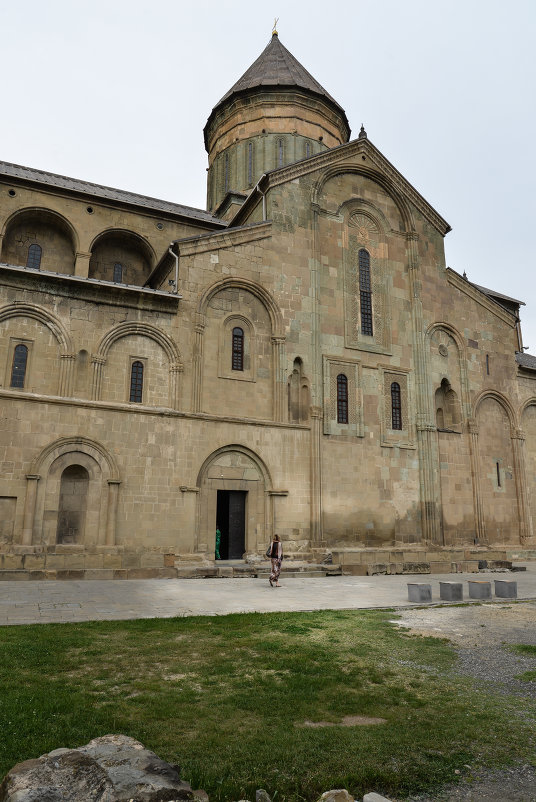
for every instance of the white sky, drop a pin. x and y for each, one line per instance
(118, 91)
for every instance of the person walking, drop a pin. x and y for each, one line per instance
(276, 556)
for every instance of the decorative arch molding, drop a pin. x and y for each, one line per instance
(111, 232)
(276, 318)
(87, 445)
(236, 476)
(504, 403)
(62, 220)
(451, 332)
(278, 340)
(234, 448)
(63, 338)
(530, 402)
(145, 330)
(373, 175)
(362, 206)
(104, 488)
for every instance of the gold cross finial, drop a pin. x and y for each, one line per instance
(274, 29)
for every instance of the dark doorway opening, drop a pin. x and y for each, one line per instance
(231, 521)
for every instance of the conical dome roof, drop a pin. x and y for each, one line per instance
(277, 67)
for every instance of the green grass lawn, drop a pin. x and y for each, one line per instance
(226, 698)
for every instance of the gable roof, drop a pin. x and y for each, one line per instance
(33, 176)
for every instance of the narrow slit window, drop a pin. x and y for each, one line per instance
(226, 181)
(498, 474)
(238, 349)
(34, 256)
(307, 150)
(136, 382)
(18, 368)
(365, 292)
(280, 153)
(118, 273)
(487, 364)
(250, 163)
(342, 398)
(396, 406)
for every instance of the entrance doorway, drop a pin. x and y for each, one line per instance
(231, 521)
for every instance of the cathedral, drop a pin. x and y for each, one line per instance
(295, 359)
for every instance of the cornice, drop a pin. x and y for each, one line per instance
(340, 156)
(229, 238)
(469, 289)
(86, 289)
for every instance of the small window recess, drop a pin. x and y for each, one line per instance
(487, 364)
(342, 398)
(118, 273)
(237, 361)
(33, 259)
(498, 474)
(18, 367)
(136, 382)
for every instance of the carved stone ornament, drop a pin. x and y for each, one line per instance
(443, 350)
(442, 340)
(366, 230)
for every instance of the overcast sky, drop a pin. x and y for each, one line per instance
(118, 91)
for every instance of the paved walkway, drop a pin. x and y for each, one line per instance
(29, 602)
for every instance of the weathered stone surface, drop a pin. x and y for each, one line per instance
(337, 795)
(261, 795)
(373, 797)
(113, 768)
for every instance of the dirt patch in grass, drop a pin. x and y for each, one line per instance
(347, 721)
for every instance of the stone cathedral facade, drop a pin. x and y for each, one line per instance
(296, 359)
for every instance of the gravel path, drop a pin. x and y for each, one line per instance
(481, 635)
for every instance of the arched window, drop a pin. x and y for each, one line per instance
(396, 406)
(118, 272)
(136, 382)
(18, 369)
(365, 292)
(34, 256)
(238, 349)
(342, 398)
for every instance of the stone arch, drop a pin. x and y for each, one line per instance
(234, 469)
(59, 251)
(276, 334)
(42, 316)
(43, 502)
(127, 329)
(527, 418)
(127, 248)
(500, 486)
(276, 318)
(59, 332)
(439, 370)
(503, 401)
(362, 206)
(298, 393)
(373, 175)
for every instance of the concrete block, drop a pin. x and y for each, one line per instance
(478, 589)
(506, 588)
(55, 562)
(111, 561)
(419, 592)
(93, 561)
(74, 561)
(225, 571)
(468, 567)
(451, 591)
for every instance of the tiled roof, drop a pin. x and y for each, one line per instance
(276, 66)
(498, 295)
(526, 361)
(98, 191)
